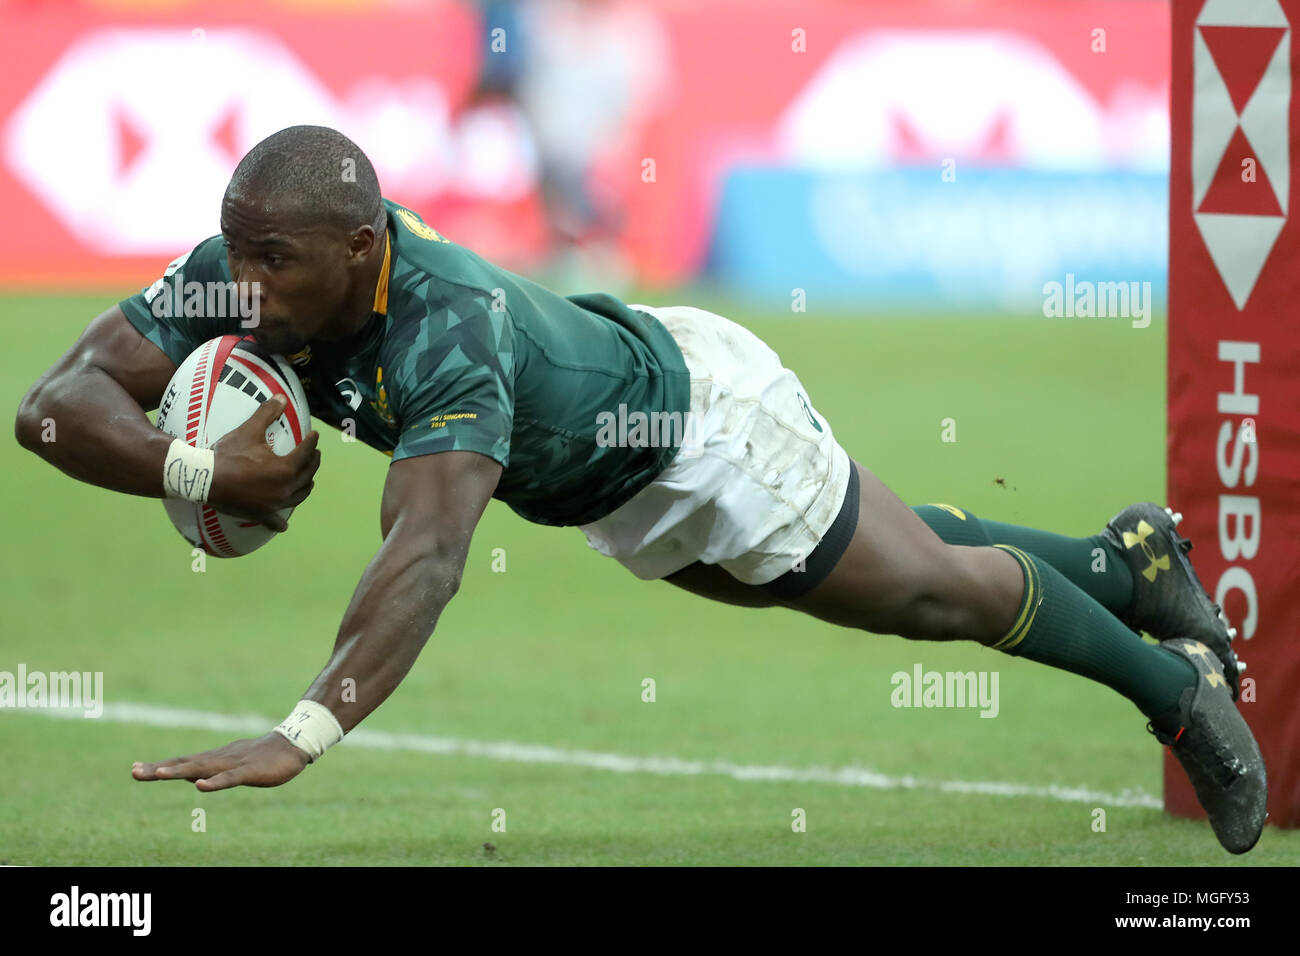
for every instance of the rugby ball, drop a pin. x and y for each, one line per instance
(215, 390)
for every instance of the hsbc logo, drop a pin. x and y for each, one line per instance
(1014, 102)
(1241, 103)
(130, 138)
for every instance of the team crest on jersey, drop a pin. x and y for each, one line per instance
(422, 229)
(380, 404)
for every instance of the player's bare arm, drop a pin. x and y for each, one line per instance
(97, 393)
(431, 506)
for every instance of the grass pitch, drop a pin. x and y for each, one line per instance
(1059, 424)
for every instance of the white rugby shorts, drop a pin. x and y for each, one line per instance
(759, 478)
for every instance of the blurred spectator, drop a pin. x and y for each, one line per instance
(492, 203)
(487, 195)
(593, 72)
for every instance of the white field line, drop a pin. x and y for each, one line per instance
(177, 719)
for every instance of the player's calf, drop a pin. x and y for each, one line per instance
(977, 596)
(897, 577)
(894, 578)
(969, 594)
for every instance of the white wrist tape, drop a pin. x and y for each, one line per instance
(187, 471)
(311, 728)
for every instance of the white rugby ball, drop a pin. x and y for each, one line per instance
(215, 390)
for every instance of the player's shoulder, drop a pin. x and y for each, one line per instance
(436, 286)
(412, 224)
(432, 274)
(419, 251)
(190, 274)
(206, 261)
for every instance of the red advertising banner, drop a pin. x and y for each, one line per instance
(1234, 353)
(120, 128)
(120, 123)
(850, 86)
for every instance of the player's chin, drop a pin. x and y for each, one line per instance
(278, 339)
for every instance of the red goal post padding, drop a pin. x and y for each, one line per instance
(1234, 353)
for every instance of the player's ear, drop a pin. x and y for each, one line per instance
(361, 243)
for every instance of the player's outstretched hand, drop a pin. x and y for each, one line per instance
(249, 480)
(265, 762)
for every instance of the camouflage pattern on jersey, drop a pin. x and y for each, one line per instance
(461, 355)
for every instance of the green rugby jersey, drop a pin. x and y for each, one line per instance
(460, 354)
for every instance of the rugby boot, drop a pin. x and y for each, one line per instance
(1218, 751)
(1169, 602)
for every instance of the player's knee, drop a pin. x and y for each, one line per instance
(933, 616)
(953, 603)
(918, 612)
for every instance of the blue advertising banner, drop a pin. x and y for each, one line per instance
(936, 238)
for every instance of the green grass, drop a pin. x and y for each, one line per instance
(1069, 414)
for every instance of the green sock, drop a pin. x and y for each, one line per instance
(1103, 575)
(1091, 564)
(1059, 625)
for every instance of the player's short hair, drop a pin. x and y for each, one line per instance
(316, 172)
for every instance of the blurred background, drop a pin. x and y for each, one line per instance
(919, 155)
(792, 164)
